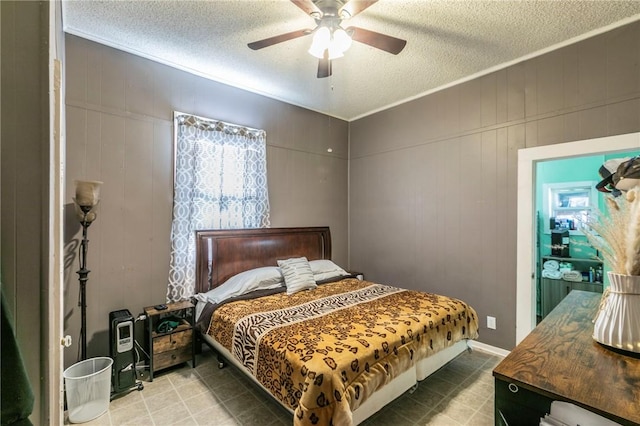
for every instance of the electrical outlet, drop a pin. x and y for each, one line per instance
(491, 323)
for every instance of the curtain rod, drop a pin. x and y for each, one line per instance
(217, 125)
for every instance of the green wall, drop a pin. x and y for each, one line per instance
(561, 171)
(569, 170)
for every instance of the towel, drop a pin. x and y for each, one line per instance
(556, 275)
(575, 276)
(551, 265)
(564, 413)
(548, 420)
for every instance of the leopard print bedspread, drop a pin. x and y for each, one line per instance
(323, 352)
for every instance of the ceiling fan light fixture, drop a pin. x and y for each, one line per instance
(335, 52)
(320, 43)
(336, 41)
(341, 39)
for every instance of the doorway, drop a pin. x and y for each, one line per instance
(526, 276)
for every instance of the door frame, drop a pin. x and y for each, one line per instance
(52, 406)
(526, 274)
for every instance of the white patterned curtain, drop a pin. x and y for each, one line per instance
(220, 182)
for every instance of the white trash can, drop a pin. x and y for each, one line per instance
(88, 388)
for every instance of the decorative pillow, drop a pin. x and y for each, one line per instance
(297, 274)
(245, 282)
(325, 269)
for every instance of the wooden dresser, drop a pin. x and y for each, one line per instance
(559, 360)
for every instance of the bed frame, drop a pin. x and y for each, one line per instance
(220, 254)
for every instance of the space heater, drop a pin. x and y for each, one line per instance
(121, 348)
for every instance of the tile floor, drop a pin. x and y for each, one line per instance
(460, 393)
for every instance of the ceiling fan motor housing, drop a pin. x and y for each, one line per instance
(330, 8)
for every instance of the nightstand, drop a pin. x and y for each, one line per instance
(170, 335)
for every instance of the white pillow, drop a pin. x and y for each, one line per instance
(324, 269)
(264, 278)
(297, 274)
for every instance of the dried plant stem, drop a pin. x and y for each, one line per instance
(633, 235)
(608, 233)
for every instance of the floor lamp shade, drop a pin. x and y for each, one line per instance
(87, 198)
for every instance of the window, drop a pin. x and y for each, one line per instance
(567, 205)
(220, 182)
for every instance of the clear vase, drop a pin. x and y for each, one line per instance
(617, 322)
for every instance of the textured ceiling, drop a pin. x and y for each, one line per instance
(447, 41)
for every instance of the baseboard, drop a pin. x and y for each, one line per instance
(483, 347)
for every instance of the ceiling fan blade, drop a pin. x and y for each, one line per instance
(380, 41)
(324, 66)
(278, 39)
(306, 5)
(354, 7)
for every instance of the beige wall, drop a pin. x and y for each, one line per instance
(24, 185)
(119, 130)
(433, 181)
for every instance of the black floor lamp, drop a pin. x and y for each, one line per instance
(86, 202)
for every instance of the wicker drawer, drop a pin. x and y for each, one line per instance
(169, 358)
(172, 341)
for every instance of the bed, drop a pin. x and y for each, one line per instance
(335, 353)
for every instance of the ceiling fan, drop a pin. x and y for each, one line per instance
(330, 40)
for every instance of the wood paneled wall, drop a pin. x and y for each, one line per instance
(24, 224)
(120, 130)
(433, 181)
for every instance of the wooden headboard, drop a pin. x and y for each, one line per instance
(228, 252)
